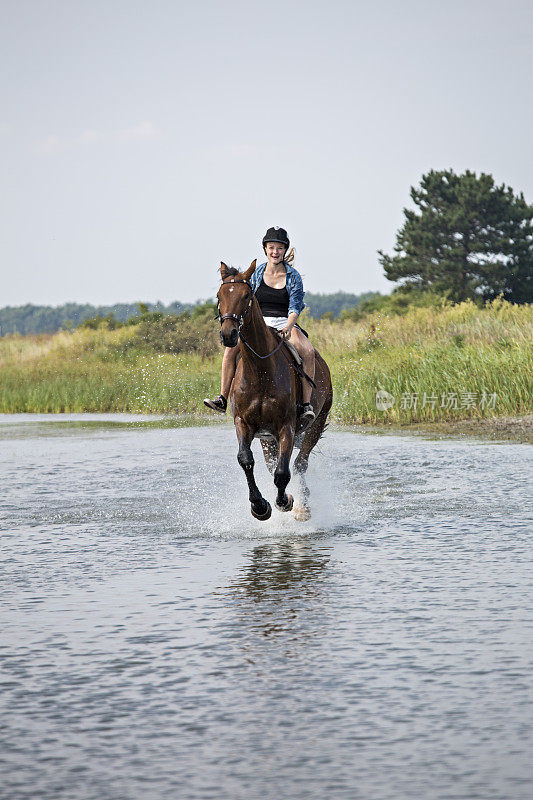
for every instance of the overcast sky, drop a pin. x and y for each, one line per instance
(144, 142)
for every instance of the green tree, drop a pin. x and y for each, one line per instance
(467, 238)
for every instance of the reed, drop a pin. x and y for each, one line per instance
(438, 363)
(446, 363)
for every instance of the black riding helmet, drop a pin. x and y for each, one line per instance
(276, 235)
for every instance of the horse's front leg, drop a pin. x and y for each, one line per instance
(282, 474)
(260, 507)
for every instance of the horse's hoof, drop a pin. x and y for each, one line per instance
(266, 515)
(289, 504)
(302, 513)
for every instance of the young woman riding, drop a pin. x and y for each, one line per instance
(279, 291)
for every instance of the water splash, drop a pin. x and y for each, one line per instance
(216, 503)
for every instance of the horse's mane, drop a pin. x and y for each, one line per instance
(233, 271)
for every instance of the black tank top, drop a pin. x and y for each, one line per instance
(272, 302)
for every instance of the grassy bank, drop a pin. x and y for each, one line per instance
(435, 364)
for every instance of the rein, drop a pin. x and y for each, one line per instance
(298, 370)
(275, 350)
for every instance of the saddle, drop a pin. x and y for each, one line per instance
(294, 353)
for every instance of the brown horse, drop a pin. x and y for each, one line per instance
(265, 394)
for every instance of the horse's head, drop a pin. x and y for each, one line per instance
(235, 298)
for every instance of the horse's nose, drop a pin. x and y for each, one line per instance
(229, 339)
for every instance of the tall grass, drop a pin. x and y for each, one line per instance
(450, 362)
(437, 363)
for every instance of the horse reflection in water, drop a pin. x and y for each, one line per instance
(265, 394)
(288, 568)
(281, 594)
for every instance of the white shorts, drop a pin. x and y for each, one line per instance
(277, 322)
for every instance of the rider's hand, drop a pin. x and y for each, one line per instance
(286, 331)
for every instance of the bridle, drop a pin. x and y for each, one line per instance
(238, 319)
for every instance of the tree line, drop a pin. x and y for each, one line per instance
(33, 319)
(49, 319)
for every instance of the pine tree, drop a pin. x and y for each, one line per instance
(466, 238)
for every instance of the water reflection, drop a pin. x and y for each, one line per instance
(279, 596)
(284, 570)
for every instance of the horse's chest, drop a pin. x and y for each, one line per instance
(265, 406)
(262, 412)
(262, 399)
(269, 385)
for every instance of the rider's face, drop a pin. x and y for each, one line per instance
(275, 252)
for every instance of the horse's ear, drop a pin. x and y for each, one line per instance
(250, 271)
(224, 271)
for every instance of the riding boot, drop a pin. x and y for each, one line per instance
(219, 403)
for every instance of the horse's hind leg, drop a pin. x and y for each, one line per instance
(270, 451)
(302, 511)
(301, 462)
(282, 474)
(260, 507)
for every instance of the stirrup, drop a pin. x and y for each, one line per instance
(218, 403)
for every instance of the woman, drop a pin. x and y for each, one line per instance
(279, 291)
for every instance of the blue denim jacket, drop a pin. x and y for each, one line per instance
(294, 285)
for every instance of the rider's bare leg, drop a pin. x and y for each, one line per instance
(307, 352)
(228, 369)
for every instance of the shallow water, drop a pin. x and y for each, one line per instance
(159, 642)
